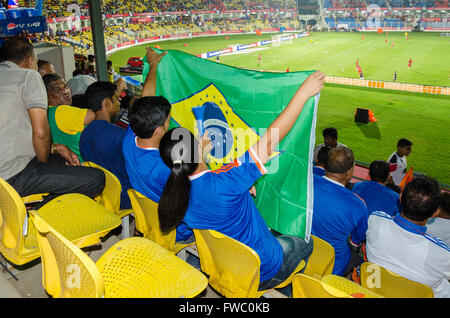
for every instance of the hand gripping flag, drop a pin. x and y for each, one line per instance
(236, 107)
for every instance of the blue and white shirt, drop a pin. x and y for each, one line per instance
(220, 201)
(378, 197)
(338, 213)
(148, 174)
(406, 249)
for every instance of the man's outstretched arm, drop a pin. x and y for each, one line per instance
(153, 59)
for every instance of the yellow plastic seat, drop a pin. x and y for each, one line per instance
(349, 287)
(79, 218)
(321, 261)
(232, 266)
(134, 267)
(147, 222)
(391, 285)
(330, 286)
(110, 197)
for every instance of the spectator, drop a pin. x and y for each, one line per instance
(377, 196)
(66, 122)
(330, 136)
(397, 161)
(220, 200)
(111, 71)
(79, 83)
(100, 141)
(45, 67)
(401, 243)
(338, 212)
(30, 162)
(440, 225)
(322, 157)
(149, 88)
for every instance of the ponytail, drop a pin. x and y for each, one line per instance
(178, 149)
(174, 200)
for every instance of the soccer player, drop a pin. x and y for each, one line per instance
(410, 62)
(259, 59)
(397, 160)
(395, 76)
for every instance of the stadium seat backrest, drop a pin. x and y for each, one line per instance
(66, 270)
(321, 261)
(147, 220)
(13, 217)
(233, 267)
(110, 197)
(391, 285)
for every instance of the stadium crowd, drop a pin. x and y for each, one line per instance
(50, 126)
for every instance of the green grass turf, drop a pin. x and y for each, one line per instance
(422, 118)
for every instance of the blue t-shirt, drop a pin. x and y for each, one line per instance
(220, 201)
(148, 174)
(338, 214)
(378, 197)
(318, 171)
(101, 143)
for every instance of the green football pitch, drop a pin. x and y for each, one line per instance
(422, 118)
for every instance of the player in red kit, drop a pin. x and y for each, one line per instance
(409, 62)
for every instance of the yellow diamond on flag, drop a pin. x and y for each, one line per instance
(230, 136)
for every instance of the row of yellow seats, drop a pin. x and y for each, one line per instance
(222, 257)
(233, 268)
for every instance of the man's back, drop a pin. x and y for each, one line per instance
(20, 90)
(404, 248)
(147, 172)
(338, 214)
(377, 197)
(101, 143)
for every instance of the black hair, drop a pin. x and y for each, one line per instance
(109, 63)
(147, 114)
(79, 101)
(445, 203)
(322, 155)
(340, 160)
(421, 198)
(97, 92)
(179, 151)
(404, 143)
(50, 78)
(379, 171)
(16, 50)
(77, 72)
(330, 132)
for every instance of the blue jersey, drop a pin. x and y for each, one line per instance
(148, 174)
(378, 197)
(338, 214)
(318, 171)
(101, 143)
(220, 200)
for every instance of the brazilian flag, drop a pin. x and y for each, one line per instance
(236, 106)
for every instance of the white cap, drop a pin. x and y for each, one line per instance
(80, 83)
